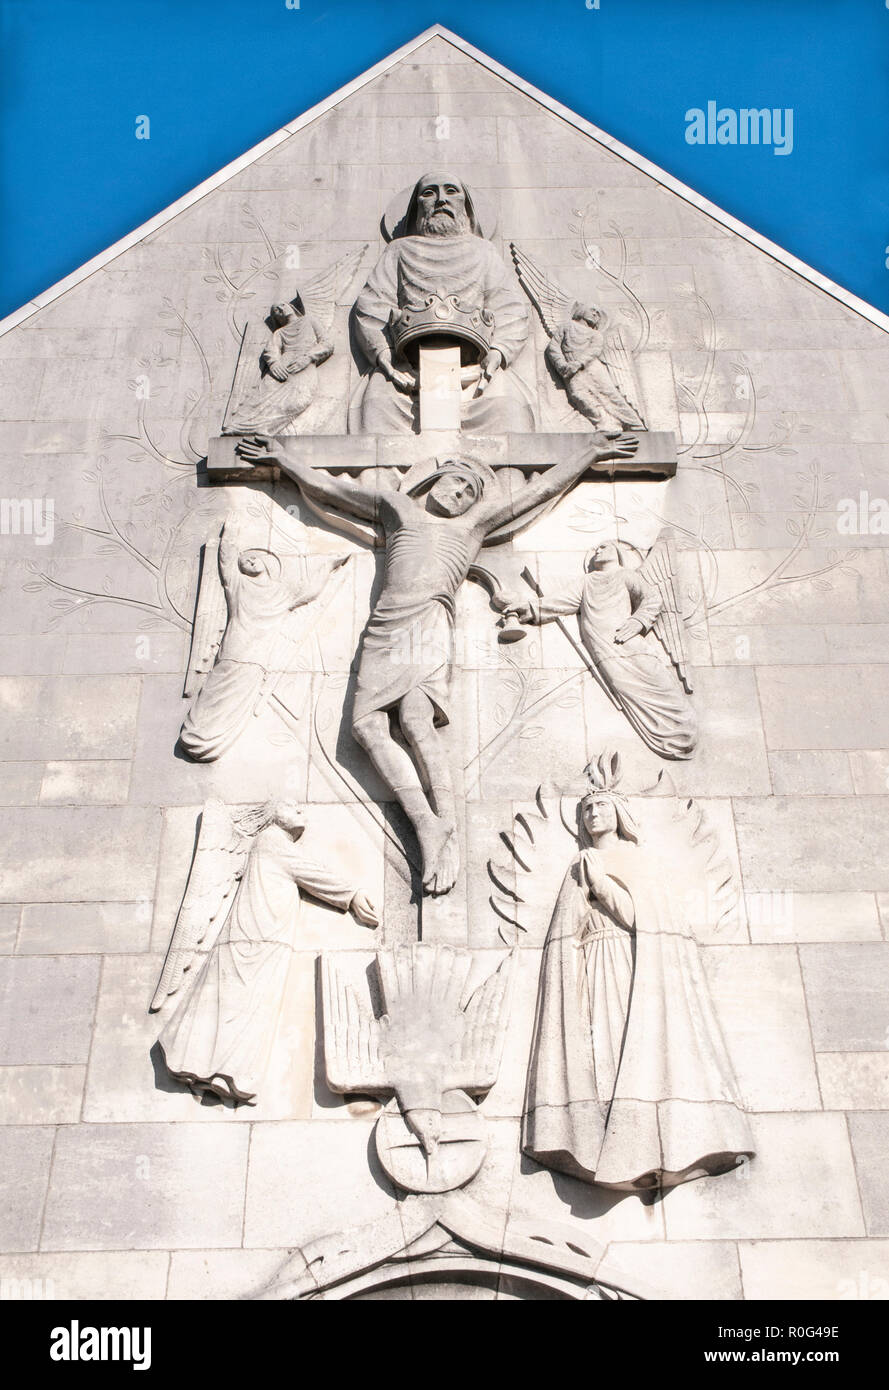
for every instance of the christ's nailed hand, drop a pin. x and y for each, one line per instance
(612, 444)
(364, 911)
(256, 449)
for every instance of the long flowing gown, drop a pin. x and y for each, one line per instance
(589, 388)
(637, 672)
(272, 407)
(630, 1085)
(250, 649)
(220, 1036)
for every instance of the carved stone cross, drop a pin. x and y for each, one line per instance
(655, 457)
(515, 458)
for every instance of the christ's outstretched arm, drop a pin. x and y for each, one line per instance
(560, 477)
(321, 487)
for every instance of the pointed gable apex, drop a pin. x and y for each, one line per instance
(440, 44)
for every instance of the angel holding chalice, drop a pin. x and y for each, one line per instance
(631, 638)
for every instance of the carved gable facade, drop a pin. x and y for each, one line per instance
(446, 739)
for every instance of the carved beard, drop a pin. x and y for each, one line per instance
(444, 222)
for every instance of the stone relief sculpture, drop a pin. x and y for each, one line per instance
(631, 639)
(431, 1048)
(629, 1085)
(587, 358)
(434, 525)
(441, 279)
(241, 642)
(277, 381)
(238, 924)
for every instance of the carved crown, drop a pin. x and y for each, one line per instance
(442, 314)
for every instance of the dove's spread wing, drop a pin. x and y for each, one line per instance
(218, 863)
(621, 369)
(352, 1058)
(659, 569)
(486, 1014)
(321, 294)
(551, 303)
(210, 617)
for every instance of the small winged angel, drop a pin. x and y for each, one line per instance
(428, 1041)
(632, 638)
(589, 359)
(244, 638)
(233, 941)
(276, 378)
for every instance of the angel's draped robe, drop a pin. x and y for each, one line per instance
(575, 353)
(630, 1085)
(643, 683)
(410, 269)
(253, 650)
(221, 1035)
(273, 407)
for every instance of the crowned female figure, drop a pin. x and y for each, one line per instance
(630, 1085)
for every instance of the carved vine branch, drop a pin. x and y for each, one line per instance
(116, 538)
(523, 684)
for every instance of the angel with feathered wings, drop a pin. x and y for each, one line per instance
(632, 640)
(241, 643)
(277, 381)
(589, 360)
(233, 941)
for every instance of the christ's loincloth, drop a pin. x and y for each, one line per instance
(406, 646)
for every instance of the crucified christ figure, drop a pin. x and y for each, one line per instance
(433, 533)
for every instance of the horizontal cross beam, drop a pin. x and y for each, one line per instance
(353, 453)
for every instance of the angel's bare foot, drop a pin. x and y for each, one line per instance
(441, 856)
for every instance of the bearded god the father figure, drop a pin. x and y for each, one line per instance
(441, 269)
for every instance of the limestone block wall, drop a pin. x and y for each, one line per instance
(119, 1183)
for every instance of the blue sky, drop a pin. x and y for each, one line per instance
(216, 76)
